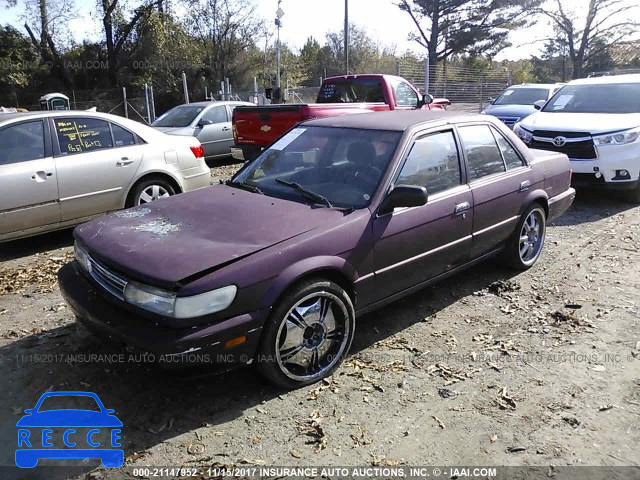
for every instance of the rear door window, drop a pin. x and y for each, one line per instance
(511, 157)
(483, 155)
(22, 142)
(82, 135)
(122, 137)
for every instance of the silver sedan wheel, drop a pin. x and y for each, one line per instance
(312, 336)
(151, 194)
(532, 236)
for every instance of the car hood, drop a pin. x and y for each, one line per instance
(594, 123)
(519, 111)
(171, 242)
(176, 130)
(69, 418)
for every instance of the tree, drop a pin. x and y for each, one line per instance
(364, 51)
(606, 24)
(227, 30)
(473, 27)
(18, 59)
(118, 31)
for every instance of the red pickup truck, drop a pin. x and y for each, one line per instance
(257, 127)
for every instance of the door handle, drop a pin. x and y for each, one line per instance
(41, 176)
(226, 129)
(525, 185)
(123, 162)
(462, 207)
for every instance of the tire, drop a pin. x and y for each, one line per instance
(307, 335)
(149, 190)
(633, 196)
(530, 234)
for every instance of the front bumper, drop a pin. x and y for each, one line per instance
(103, 316)
(590, 180)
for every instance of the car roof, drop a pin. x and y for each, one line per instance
(534, 85)
(608, 79)
(395, 120)
(206, 103)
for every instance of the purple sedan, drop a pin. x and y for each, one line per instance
(337, 218)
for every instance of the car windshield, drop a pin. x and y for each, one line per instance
(339, 167)
(68, 402)
(181, 116)
(596, 98)
(522, 96)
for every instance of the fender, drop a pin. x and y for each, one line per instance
(532, 196)
(305, 268)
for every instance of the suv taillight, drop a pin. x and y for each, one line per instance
(198, 151)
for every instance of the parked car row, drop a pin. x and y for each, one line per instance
(595, 121)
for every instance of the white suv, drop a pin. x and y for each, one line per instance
(596, 122)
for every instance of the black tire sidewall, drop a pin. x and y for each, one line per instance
(146, 183)
(267, 350)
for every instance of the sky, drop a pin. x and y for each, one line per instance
(382, 19)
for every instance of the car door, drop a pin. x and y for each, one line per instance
(96, 162)
(216, 138)
(412, 245)
(498, 191)
(28, 179)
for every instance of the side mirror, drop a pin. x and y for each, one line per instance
(539, 104)
(426, 99)
(28, 411)
(404, 196)
(204, 122)
(109, 411)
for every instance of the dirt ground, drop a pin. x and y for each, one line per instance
(487, 368)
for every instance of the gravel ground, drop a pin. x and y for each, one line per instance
(488, 368)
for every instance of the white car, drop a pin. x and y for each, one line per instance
(596, 122)
(59, 169)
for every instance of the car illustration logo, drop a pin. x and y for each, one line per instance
(559, 141)
(76, 433)
(265, 128)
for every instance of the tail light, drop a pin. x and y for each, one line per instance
(198, 151)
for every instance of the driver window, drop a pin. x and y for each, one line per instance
(433, 162)
(405, 96)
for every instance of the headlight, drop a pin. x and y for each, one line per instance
(524, 135)
(210, 302)
(620, 138)
(149, 298)
(82, 256)
(166, 303)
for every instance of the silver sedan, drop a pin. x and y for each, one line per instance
(59, 169)
(209, 122)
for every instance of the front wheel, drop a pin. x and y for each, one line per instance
(307, 335)
(525, 245)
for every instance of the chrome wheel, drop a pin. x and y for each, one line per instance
(152, 193)
(532, 236)
(313, 336)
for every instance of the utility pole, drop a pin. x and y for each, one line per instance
(346, 37)
(279, 15)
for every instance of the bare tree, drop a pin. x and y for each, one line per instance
(448, 27)
(606, 24)
(118, 31)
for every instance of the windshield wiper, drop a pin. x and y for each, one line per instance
(244, 186)
(308, 193)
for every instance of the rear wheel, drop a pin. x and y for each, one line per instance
(307, 335)
(150, 190)
(525, 245)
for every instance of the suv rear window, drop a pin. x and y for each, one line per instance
(596, 98)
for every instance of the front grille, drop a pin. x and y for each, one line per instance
(509, 121)
(575, 150)
(111, 282)
(578, 145)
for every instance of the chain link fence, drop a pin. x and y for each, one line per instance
(469, 89)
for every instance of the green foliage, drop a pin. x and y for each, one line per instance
(18, 59)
